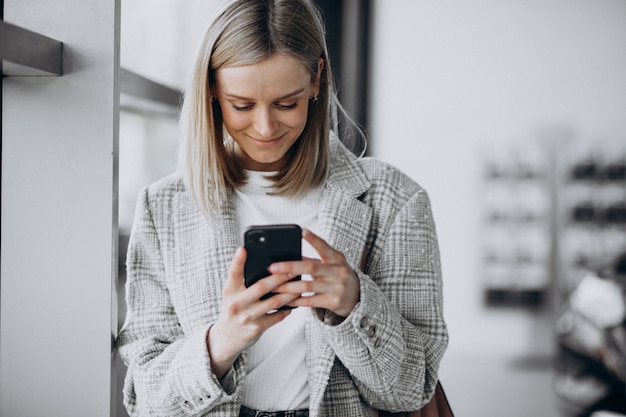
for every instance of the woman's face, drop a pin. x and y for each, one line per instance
(264, 108)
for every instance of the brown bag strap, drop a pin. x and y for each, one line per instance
(442, 401)
(438, 406)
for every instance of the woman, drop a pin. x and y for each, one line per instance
(259, 146)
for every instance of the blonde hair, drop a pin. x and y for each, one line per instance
(247, 32)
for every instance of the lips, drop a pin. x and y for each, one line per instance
(266, 142)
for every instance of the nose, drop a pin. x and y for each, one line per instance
(265, 123)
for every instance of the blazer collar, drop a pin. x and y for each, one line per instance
(344, 219)
(345, 172)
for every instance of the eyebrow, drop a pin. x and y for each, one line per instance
(294, 93)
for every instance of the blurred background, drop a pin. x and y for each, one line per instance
(512, 115)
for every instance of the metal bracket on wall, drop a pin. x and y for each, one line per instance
(143, 95)
(27, 53)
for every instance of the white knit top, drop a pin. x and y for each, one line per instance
(277, 376)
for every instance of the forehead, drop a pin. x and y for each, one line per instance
(274, 75)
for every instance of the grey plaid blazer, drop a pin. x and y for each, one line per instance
(385, 355)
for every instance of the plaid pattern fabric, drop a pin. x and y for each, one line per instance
(385, 355)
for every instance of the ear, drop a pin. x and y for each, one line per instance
(318, 76)
(213, 94)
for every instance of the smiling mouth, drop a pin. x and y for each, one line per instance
(266, 142)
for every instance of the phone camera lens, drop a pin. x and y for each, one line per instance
(257, 239)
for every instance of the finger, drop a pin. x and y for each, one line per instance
(246, 310)
(309, 266)
(319, 285)
(270, 283)
(266, 285)
(324, 250)
(295, 268)
(259, 309)
(304, 287)
(276, 301)
(306, 258)
(235, 276)
(271, 319)
(325, 301)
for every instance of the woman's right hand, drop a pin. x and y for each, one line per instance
(244, 315)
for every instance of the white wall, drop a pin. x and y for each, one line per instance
(160, 37)
(452, 77)
(59, 139)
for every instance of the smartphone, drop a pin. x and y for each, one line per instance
(268, 244)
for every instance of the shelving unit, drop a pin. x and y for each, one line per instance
(516, 225)
(552, 211)
(592, 208)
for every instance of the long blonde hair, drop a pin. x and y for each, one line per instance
(247, 32)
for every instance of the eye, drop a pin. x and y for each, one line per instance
(287, 106)
(242, 108)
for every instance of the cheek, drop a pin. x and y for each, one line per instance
(296, 119)
(234, 120)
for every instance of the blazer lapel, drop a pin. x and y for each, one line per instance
(344, 223)
(344, 219)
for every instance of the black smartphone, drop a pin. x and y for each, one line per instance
(268, 244)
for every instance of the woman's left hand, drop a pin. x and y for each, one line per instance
(335, 285)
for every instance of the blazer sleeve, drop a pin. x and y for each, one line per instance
(394, 339)
(169, 372)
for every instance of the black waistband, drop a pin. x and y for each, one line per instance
(247, 412)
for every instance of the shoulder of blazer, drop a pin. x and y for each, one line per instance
(169, 185)
(368, 173)
(167, 199)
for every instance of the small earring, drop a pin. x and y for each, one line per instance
(313, 99)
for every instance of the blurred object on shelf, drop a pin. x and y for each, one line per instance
(604, 413)
(591, 336)
(600, 301)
